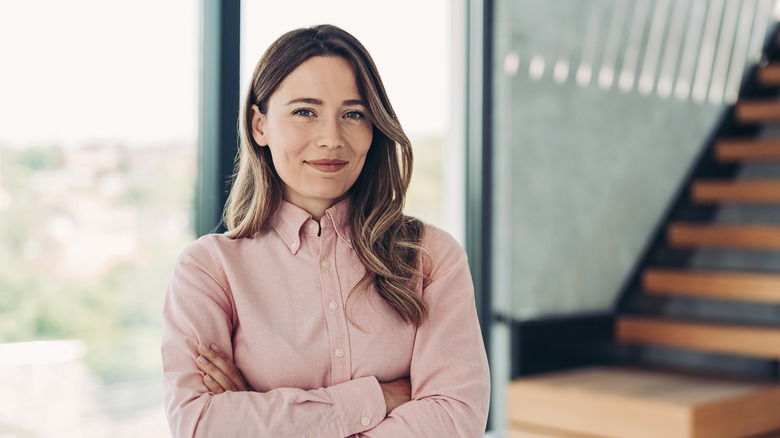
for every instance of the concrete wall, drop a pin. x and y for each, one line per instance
(584, 170)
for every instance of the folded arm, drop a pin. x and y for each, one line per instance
(221, 375)
(198, 309)
(449, 369)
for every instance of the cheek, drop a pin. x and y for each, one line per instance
(362, 146)
(283, 131)
(362, 141)
(284, 160)
(287, 144)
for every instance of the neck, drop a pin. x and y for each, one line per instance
(315, 208)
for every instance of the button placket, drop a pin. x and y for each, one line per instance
(331, 288)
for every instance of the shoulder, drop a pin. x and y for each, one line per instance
(213, 250)
(205, 246)
(436, 239)
(211, 259)
(441, 251)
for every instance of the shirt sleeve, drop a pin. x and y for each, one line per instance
(199, 308)
(449, 369)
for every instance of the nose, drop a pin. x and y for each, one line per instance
(329, 133)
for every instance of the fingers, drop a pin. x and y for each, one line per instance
(212, 385)
(212, 355)
(227, 367)
(217, 377)
(221, 370)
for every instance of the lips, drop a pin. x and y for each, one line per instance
(327, 164)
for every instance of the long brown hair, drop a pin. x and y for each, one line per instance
(385, 240)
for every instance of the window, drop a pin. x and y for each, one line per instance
(97, 169)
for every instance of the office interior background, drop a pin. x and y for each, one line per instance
(550, 139)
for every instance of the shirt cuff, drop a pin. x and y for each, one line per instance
(360, 404)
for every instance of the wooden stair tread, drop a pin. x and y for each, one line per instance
(769, 74)
(526, 430)
(620, 402)
(758, 111)
(763, 342)
(731, 150)
(686, 235)
(742, 286)
(752, 191)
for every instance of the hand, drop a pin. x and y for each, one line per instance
(221, 374)
(396, 392)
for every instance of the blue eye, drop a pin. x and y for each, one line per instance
(303, 113)
(355, 115)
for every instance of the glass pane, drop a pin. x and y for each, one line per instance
(97, 168)
(601, 114)
(415, 66)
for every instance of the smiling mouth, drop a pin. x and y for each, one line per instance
(327, 165)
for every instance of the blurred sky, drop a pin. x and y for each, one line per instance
(81, 71)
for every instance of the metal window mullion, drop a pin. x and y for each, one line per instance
(219, 101)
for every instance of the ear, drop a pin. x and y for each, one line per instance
(258, 124)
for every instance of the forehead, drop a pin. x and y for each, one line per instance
(327, 78)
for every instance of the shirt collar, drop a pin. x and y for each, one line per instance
(289, 219)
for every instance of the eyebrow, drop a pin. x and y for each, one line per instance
(313, 101)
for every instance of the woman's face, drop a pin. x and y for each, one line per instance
(317, 128)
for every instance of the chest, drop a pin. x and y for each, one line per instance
(298, 324)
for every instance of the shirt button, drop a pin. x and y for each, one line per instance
(311, 226)
(333, 305)
(294, 245)
(340, 352)
(326, 263)
(365, 421)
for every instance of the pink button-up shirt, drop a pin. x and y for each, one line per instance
(277, 305)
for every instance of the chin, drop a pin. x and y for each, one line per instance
(333, 195)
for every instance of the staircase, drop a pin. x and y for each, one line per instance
(692, 347)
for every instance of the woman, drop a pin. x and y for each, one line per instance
(323, 311)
